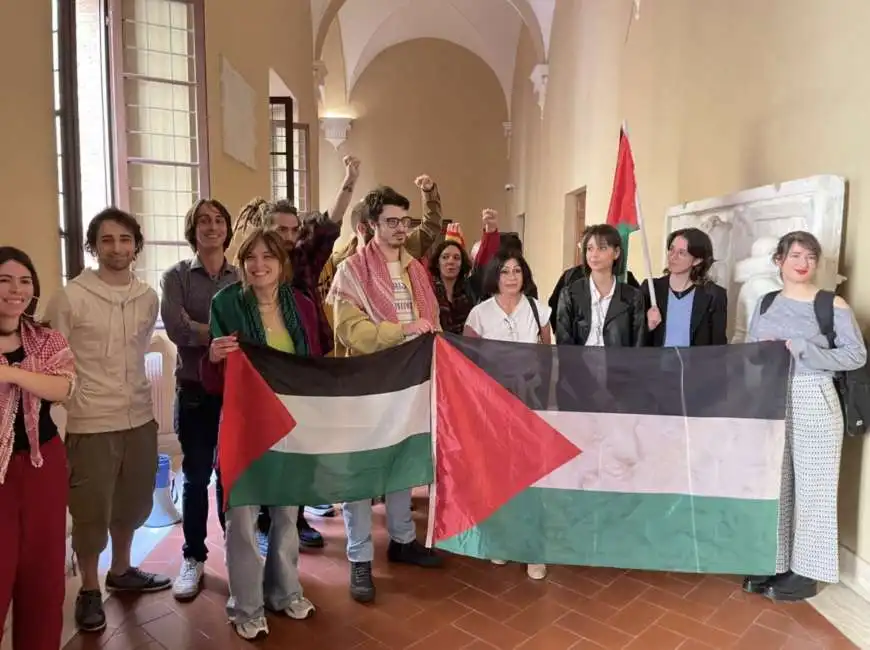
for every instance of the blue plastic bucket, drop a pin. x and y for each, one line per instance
(164, 471)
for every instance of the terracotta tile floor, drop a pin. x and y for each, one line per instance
(469, 605)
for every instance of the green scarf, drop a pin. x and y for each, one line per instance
(287, 303)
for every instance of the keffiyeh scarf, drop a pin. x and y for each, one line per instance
(46, 352)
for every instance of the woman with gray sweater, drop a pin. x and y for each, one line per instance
(808, 544)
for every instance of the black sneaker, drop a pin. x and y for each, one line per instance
(137, 580)
(362, 588)
(412, 553)
(308, 536)
(89, 613)
(791, 588)
(756, 584)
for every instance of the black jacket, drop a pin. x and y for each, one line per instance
(709, 313)
(624, 323)
(569, 276)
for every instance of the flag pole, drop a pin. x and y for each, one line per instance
(640, 225)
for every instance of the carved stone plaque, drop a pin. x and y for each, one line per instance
(736, 221)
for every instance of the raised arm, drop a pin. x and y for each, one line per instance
(345, 192)
(423, 236)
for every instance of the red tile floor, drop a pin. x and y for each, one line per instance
(469, 605)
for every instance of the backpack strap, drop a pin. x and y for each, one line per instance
(537, 318)
(766, 301)
(823, 305)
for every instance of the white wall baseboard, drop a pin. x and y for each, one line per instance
(855, 573)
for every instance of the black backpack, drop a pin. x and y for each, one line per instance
(853, 386)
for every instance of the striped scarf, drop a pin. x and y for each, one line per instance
(290, 312)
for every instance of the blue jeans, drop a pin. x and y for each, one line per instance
(358, 524)
(197, 419)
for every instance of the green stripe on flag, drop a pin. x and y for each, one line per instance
(625, 230)
(628, 530)
(284, 478)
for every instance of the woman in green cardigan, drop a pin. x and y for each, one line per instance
(263, 308)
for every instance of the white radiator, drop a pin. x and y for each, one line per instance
(162, 391)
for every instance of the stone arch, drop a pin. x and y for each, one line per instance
(525, 10)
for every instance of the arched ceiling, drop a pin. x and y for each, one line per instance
(488, 28)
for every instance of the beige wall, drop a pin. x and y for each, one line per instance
(415, 114)
(273, 34)
(719, 96)
(28, 171)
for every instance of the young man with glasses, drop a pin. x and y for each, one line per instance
(381, 298)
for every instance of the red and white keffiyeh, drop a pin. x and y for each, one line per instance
(46, 351)
(364, 280)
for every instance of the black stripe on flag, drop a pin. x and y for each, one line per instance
(728, 381)
(387, 371)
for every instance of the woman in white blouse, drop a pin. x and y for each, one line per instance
(509, 315)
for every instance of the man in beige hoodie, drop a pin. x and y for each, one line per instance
(108, 317)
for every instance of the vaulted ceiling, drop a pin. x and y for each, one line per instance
(488, 28)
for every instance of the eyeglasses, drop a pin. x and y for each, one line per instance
(681, 253)
(394, 222)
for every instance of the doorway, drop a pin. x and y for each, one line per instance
(575, 219)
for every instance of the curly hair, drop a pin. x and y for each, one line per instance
(373, 203)
(123, 219)
(435, 260)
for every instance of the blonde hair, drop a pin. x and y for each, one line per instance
(273, 243)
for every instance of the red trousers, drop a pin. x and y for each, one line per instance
(33, 548)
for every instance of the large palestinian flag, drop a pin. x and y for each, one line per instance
(298, 430)
(660, 459)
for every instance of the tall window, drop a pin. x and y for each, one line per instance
(63, 28)
(288, 154)
(158, 76)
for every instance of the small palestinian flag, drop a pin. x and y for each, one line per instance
(653, 458)
(622, 213)
(298, 430)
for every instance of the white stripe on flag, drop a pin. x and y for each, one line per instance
(347, 424)
(730, 457)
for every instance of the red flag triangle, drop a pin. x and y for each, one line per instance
(253, 419)
(489, 446)
(622, 212)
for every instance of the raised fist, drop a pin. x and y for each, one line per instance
(424, 182)
(490, 220)
(351, 167)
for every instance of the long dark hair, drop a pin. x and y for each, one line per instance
(493, 272)
(699, 247)
(12, 254)
(434, 260)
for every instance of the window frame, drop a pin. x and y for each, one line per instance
(287, 103)
(119, 134)
(302, 128)
(67, 116)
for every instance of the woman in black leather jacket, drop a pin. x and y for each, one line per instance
(596, 310)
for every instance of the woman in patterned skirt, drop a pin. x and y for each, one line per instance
(808, 544)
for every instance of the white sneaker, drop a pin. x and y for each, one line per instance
(299, 608)
(256, 628)
(536, 571)
(189, 581)
(499, 562)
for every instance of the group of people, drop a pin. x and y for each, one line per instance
(290, 290)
